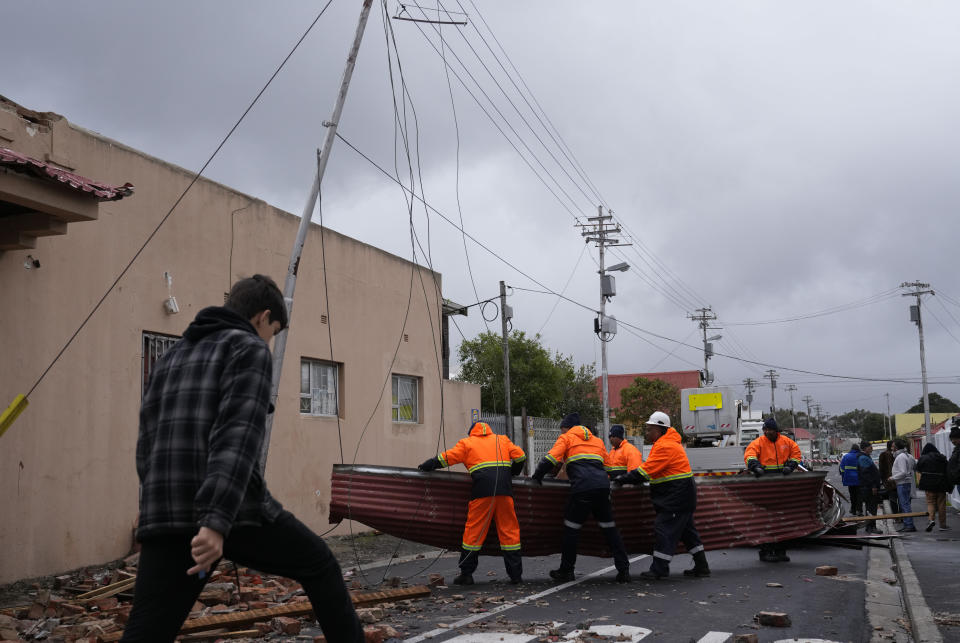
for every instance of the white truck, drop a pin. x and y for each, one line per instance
(709, 414)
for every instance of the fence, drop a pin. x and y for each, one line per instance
(545, 433)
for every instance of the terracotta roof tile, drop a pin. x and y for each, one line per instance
(101, 191)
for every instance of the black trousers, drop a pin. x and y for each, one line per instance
(870, 503)
(579, 507)
(856, 503)
(164, 594)
(668, 528)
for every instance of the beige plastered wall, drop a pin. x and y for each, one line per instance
(68, 484)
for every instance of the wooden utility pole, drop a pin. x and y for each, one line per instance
(506, 314)
(918, 290)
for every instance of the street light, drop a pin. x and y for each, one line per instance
(623, 266)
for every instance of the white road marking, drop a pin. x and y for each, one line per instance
(617, 632)
(715, 637)
(492, 637)
(506, 606)
(806, 641)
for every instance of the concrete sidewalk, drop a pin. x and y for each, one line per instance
(927, 567)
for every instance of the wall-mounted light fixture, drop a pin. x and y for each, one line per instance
(30, 263)
(170, 303)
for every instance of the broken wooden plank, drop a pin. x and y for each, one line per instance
(913, 514)
(303, 608)
(108, 590)
(221, 634)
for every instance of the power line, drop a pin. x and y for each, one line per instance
(872, 299)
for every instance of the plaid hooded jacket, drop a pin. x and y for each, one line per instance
(202, 425)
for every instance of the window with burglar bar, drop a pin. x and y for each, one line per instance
(406, 399)
(154, 346)
(319, 387)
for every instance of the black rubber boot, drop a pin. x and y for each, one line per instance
(700, 567)
(562, 575)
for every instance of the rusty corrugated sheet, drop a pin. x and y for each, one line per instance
(430, 508)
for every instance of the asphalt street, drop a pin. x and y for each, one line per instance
(868, 600)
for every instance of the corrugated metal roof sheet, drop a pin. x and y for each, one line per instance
(431, 508)
(102, 191)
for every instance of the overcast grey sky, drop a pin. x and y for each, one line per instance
(770, 160)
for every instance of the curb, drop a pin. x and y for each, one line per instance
(922, 625)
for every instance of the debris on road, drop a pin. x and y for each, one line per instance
(773, 619)
(826, 570)
(236, 603)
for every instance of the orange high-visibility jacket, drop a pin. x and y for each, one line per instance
(584, 455)
(772, 455)
(489, 458)
(671, 480)
(623, 458)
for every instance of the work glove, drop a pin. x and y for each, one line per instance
(537, 479)
(757, 470)
(429, 465)
(786, 471)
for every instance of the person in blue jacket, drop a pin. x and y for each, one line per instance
(869, 493)
(851, 479)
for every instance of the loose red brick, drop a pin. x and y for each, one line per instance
(773, 619)
(746, 638)
(106, 603)
(285, 625)
(826, 570)
(437, 579)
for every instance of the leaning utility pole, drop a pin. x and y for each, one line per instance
(921, 289)
(772, 376)
(791, 388)
(280, 343)
(750, 384)
(506, 314)
(704, 316)
(599, 232)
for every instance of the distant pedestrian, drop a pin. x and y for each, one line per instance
(623, 456)
(869, 491)
(850, 478)
(889, 490)
(932, 467)
(674, 497)
(584, 455)
(491, 460)
(953, 465)
(902, 475)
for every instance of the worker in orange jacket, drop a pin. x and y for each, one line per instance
(674, 497)
(584, 456)
(772, 453)
(491, 460)
(623, 457)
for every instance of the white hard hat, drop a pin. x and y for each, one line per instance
(659, 418)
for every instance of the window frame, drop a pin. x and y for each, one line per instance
(152, 348)
(395, 405)
(337, 380)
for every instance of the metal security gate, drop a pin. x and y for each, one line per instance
(545, 433)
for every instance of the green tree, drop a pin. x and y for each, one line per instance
(938, 404)
(579, 392)
(867, 425)
(546, 385)
(643, 397)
